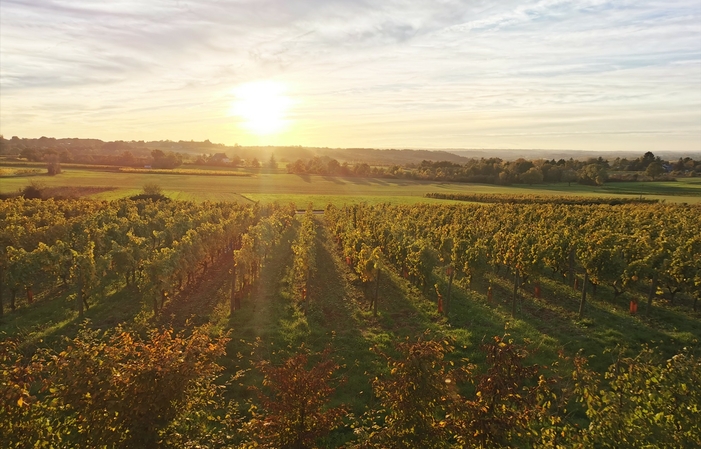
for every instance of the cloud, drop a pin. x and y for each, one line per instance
(361, 73)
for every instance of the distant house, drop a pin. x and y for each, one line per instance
(219, 158)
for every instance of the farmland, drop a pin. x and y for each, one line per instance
(274, 185)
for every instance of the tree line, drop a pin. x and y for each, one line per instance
(494, 170)
(593, 171)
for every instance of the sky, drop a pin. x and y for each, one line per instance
(581, 75)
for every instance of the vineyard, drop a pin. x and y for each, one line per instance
(620, 247)
(515, 322)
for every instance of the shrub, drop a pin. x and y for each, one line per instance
(152, 188)
(35, 190)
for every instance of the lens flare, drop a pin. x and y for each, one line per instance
(262, 107)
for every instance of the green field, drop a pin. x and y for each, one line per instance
(320, 190)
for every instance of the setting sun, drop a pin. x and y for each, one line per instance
(262, 107)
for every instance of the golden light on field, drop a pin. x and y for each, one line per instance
(262, 107)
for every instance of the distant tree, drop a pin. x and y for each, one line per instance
(520, 166)
(593, 174)
(598, 161)
(644, 161)
(297, 167)
(317, 166)
(569, 176)
(115, 147)
(679, 165)
(272, 163)
(163, 160)
(654, 170)
(255, 163)
(533, 176)
(361, 169)
(53, 165)
(333, 167)
(30, 154)
(65, 156)
(127, 158)
(554, 173)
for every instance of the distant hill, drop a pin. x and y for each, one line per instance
(78, 146)
(391, 157)
(510, 154)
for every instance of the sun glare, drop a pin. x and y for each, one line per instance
(262, 107)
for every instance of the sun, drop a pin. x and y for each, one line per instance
(262, 107)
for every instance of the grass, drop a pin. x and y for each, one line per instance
(268, 185)
(684, 187)
(53, 316)
(321, 201)
(552, 322)
(182, 171)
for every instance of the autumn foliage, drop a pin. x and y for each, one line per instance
(294, 409)
(512, 401)
(121, 389)
(108, 389)
(414, 397)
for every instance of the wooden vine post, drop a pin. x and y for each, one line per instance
(513, 302)
(377, 290)
(2, 285)
(79, 296)
(651, 293)
(584, 295)
(233, 306)
(450, 271)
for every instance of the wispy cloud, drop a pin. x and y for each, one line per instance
(556, 74)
